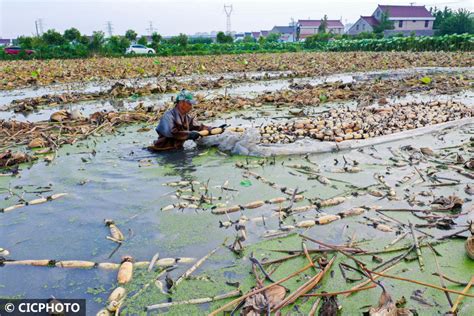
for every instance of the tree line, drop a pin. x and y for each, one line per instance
(72, 43)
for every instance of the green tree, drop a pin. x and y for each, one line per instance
(156, 38)
(222, 38)
(459, 22)
(25, 41)
(143, 40)
(117, 44)
(131, 35)
(273, 37)
(384, 24)
(315, 40)
(324, 25)
(97, 41)
(72, 34)
(248, 39)
(200, 40)
(51, 37)
(84, 39)
(440, 16)
(181, 39)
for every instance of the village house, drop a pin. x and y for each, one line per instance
(309, 27)
(406, 19)
(287, 33)
(5, 42)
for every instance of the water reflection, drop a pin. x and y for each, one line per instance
(178, 162)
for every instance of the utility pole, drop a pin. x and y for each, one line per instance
(40, 26)
(293, 24)
(150, 28)
(110, 28)
(228, 12)
(36, 26)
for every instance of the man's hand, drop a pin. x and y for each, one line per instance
(193, 135)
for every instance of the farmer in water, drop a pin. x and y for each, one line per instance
(176, 126)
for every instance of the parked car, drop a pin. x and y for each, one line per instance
(139, 49)
(15, 50)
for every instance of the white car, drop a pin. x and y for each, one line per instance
(139, 49)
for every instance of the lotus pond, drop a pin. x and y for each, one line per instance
(409, 199)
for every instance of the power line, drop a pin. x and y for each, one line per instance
(36, 27)
(39, 25)
(110, 28)
(150, 28)
(228, 11)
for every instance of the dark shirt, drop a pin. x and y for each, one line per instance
(173, 130)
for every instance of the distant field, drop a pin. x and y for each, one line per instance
(24, 73)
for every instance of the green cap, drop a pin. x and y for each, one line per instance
(185, 95)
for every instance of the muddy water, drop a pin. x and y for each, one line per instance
(242, 89)
(114, 177)
(123, 181)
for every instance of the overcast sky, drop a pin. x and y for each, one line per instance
(170, 17)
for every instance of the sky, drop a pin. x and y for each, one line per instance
(171, 17)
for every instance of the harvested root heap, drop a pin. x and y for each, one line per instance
(343, 124)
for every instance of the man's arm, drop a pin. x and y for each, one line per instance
(194, 125)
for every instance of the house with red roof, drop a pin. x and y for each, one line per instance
(406, 19)
(309, 27)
